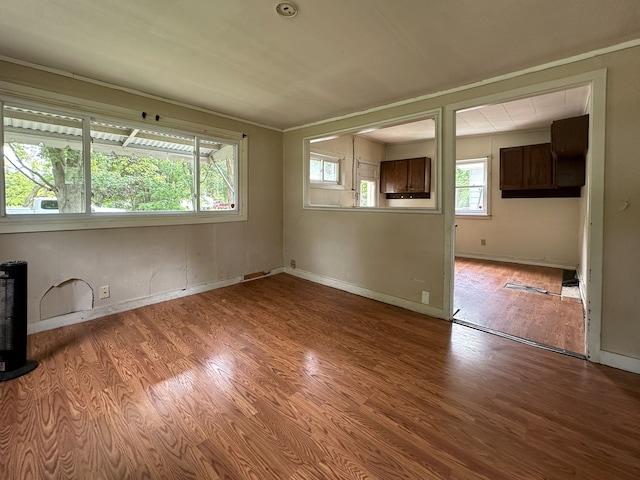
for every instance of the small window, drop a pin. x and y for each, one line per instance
(323, 169)
(471, 187)
(368, 193)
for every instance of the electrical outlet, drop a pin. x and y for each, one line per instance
(105, 291)
(483, 242)
(425, 298)
(293, 264)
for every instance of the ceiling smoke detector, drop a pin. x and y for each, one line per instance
(286, 9)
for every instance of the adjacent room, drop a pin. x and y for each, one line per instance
(521, 198)
(319, 240)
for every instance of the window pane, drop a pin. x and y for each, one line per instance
(367, 193)
(43, 164)
(218, 182)
(470, 199)
(470, 174)
(315, 170)
(330, 171)
(462, 177)
(136, 170)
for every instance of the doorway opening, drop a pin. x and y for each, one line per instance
(524, 302)
(512, 254)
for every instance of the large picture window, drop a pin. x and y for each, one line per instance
(56, 163)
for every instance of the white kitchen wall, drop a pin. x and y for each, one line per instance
(528, 230)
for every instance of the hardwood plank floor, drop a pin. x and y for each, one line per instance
(550, 320)
(280, 378)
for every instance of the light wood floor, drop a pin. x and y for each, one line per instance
(280, 378)
(547, 319)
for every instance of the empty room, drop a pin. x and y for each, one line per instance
(319, 240)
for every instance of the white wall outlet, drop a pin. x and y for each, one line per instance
(425, 298)
(105, 291)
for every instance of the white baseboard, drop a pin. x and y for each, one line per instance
(364, 292)
(621, 362)
(99, 312)
(520, 261)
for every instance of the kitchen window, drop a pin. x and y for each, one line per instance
(472, 187)
(324, 169)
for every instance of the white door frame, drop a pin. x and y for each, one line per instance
(594, 222)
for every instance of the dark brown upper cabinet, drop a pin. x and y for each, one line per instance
(570, 137)
(556, 169)
(527, 167)
(410, 176)
(569, 145)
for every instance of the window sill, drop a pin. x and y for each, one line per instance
(36, 223)
(339, 208)
(326, 186)
(476, 216)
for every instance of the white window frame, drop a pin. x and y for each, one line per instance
(373, 193)
(486, 186)
(91, 220)
(325, 159)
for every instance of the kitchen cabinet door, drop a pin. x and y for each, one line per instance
(539, 174)
(527, 167)
(412, 175)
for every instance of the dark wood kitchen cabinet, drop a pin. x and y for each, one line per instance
(527, 167)
(555, 169)
(569, 145)
(570, 136)
(412, 175)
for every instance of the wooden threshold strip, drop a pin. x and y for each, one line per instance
(551, 348)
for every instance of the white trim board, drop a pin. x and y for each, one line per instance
(620, 362)
(99, 312)
(519, 261)
(488, 81)
(132, 91)
(365, 292)
(595, 191)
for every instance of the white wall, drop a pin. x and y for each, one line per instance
(145, 262)
(396, 254)
(402, 254)
(528, 230)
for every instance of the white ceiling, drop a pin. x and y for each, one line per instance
(334, 57)
(522, 114)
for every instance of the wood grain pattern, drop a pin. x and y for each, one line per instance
(547, 319)
(280, 378)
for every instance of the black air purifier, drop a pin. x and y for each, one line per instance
(13, 321)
